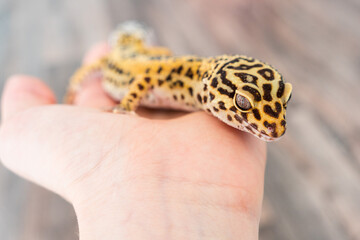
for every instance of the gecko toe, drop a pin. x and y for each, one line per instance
(120, 110)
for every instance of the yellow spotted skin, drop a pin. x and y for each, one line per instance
(136, 74)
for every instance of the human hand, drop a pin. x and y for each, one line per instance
(130, 177)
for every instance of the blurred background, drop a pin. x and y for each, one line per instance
(312, 184)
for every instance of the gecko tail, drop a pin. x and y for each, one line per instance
(79, 77)
(130, 32)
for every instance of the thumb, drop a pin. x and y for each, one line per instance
(50, 145)
(23, 92)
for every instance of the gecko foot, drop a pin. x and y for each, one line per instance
(120, 110)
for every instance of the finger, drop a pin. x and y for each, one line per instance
(23, 92)
(50, 145)
(96, 52)
(93, 95)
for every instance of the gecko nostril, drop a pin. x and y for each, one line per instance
(270, 129)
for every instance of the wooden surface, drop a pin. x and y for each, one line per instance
(312, 188)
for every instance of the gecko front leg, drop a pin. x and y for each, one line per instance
(137, 90)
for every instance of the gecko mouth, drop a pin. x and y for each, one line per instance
(260, 134)
(267, 138)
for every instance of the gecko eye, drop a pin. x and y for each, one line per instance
(242, 103)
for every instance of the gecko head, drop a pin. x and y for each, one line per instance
(249, 95)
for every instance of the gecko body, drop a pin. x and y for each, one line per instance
(243, 92)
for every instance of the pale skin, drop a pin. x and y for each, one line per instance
(134, 177)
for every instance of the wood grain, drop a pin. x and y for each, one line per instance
(312, 188)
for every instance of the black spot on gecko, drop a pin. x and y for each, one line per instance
(256, 113)
(267, 124)
(205, 87)
(272, 128)
(275, 114)
(238, 118)
(212, 96)
(147, 70)
(215, 109)
(233, 108)
(110, 65)
(198, 72)
(147, 79)
(168, 78)
(283, 123)
(160, 82)
(205, 99)
(267, 92)
(226, 92)
(267, 73)
(254, 92)
(250, 129)
(179, 82)
(134, 95)
(245, 67)
(214, 82)
(244, 115)
(115, 68)
(189, 73)
(131, 80)
(229, 62)
(226, 81)
(178, 71)
(222, 105)
(140, 86)
(175, 97)
(278, 107)
(190, 91)
(160, 69)
(247, 78)
(199, 98)
(280, 91)
(253, 125)
(182, 96)
(229, 117)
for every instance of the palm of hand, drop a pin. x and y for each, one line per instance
(158, 179)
